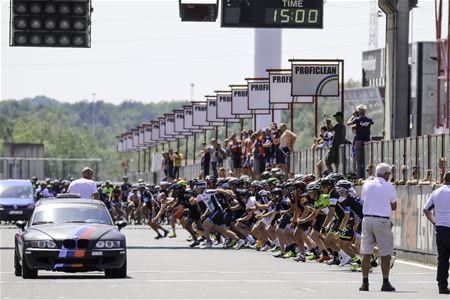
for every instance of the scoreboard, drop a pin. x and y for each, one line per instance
(272, 13)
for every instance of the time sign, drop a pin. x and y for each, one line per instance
(272, 13)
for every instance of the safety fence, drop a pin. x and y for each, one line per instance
(431, 152)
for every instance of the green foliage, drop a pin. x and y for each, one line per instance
(66, 129)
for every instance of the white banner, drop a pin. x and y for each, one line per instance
(211, 112)
(129, 144)
(258, 96)
(162, 130)
(147, 134)
(239, 99)
(141, 135)
(155, 131)
(224, 107)
(135, 133)
(188, 119)
(179, 122)
(170, 124)
(315, 79)
(280, 88)
(199, 112)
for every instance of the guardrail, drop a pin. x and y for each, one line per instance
(431, 152)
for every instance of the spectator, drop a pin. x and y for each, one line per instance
(326, 137)
(247, 153)
(363, 124)
(287, 141)
(440, 204)
(258, 153)
(125, 187)
(222, 172)
(268, 147)
(85, 186)
(213, 158)
(205, 160)
(177, 160)
(170, 176)
(236, 155)
(379, 198)
(164, 164)
(338, 131)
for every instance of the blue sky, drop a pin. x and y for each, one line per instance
(142, 51)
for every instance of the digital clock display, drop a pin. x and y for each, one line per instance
(272, 13)
(293, 16)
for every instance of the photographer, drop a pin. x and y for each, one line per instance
(338, 131)
(362, 125)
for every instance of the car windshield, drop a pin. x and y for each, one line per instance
(71, 213)
(16, 191)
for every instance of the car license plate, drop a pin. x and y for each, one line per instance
(97, 253)
(16, 212)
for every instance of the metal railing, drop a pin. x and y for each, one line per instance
(423, 152)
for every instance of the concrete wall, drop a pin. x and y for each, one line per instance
(17, 168)
(414, 236)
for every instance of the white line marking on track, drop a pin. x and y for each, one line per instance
(409, 263)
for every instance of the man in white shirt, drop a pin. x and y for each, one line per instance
(439, 202)
(85, 186)
(380, 200)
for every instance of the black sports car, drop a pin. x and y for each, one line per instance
(70, 235)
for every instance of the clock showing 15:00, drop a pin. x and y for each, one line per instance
(273, 13)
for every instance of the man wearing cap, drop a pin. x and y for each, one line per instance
(362, 125)
(85, 186)
(338, 139)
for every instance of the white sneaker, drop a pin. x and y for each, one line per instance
(345, 261)
(239, 245)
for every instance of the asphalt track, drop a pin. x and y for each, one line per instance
(168, 268)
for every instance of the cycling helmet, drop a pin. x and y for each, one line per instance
(225, 186)
(272, 180)
(279, 175)
(263, 193)
(211, 179)
(277, 192)
(256, 184)
(200, 184)
(337, 176)
(327, 181)
(265, 175)
(275, 170)
(344, 185)
(313, 186)
(233, 181)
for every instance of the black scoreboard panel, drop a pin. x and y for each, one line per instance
(272, 13)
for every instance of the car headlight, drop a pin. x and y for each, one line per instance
(1, 207)
(43, 244)
(107, 244)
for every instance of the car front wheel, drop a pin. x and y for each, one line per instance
(27, 273)
(118, 273)
(17, 266)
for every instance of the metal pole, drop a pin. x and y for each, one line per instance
(204, 136)
(226, 129)
(242, 127)
(316, 99)
(438, 18)
(145, 160)
(186, 151)
(447, 106)
(139, 162)
(342, 87)
(291, 108)
(217, 133)
(193, 148)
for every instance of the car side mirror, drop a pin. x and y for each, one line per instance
(21, 224)
(121, 224)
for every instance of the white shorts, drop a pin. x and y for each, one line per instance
(377, 232)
